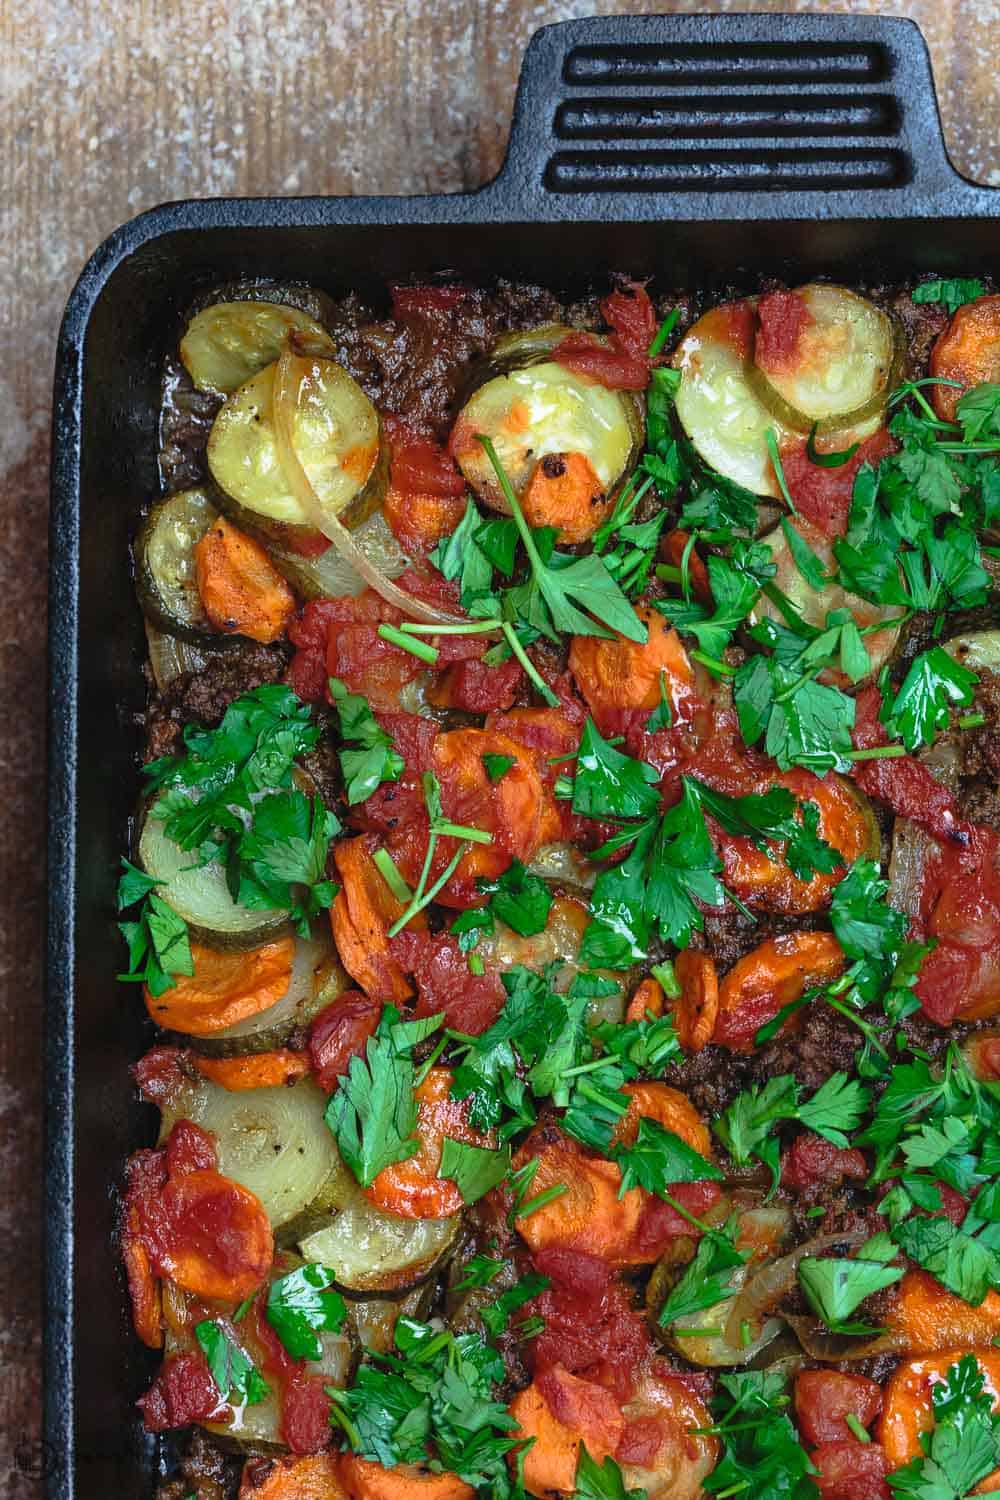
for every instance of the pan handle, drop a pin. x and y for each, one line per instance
(730, 116)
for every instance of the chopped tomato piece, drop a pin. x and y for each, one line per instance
(782, 317)
(772, 976)
(183, 1392)
(902, 782)
(305, 1413)
(851, 1470)
(412, 1189)
(822, 495)
(470, 1002)
(823, 1398)
(474, 687)
(812, 1163)
(341, 1031)
(591, 1327)
(960, 910)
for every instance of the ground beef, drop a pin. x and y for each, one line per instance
(203, 697)
(824, 1043)
(922, 322)
(711, 1078)
(205, 1473)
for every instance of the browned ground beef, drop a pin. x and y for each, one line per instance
(203, 697)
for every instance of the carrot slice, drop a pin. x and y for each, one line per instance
(224, 988)
(241, 590)
(927, 1318)
(772, 976)
(418, 520)
(669, 1108)
(967, 351)
(412, 1189)
(257, 1070)
(361, 915)
(564, 491)
(618, 673)
(313, 1478)
(648, 998)
(560, 1411)
(696, 1010)
(908, 1408)
(363, 1480)
(588, 1215)
(144, 1289)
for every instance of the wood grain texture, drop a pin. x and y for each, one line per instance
(110, 106)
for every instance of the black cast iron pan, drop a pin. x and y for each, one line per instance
(703, 149)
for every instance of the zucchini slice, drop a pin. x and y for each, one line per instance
(716, 404)
(842, 368)
(330, 576)
(814, 605)
(165, 567)
(317, 979)
(336, 435)
(200, 895)
(533, 408)
(273, 1141)
(374, 1252)
(227, 343)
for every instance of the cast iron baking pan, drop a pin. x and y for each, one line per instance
(699, 149)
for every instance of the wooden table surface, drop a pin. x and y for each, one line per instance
(110, 106)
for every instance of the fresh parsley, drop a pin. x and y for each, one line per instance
(735, 593)
(604, 1481)
(746, 1127)
(371, 759)
(301, 1305)
(157, 939)
(706, 1278)
(952, 292)
(519, 898)
(962, 1447)
(474, 1170)
(835, 1288)
(933, 685)
(761, 1451)
(238, 1380)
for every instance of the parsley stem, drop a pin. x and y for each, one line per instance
(419, 902)
(860, 1432)
(721, 668)
(667, 980)
(664, 331)
(588, 1067)
(530, 669)
(507, 490)
(474, 627)
(422, 1072)
(523, 1210)
(407, 643)
(462, 831)
(877, 752)
(967, 447)
(971, 721)
(686, 565)
(476, 966)
(771, 439)
(668, 572)
(702, 1333)
(387, 868)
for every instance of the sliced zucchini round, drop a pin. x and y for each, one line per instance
(717, 406)
(227, 343)
(273, 1141)
(317, 979)
(330, 576)
(979, 650)
(200, 895)
(336, 437)
(814, 605)
(843, 365)
(165, 567)
(532, 408)
(370, 1251)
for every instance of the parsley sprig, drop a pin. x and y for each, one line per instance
(962, 1447)
(746, 1128)
(370, 758)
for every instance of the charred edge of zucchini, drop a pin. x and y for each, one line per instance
(165, 567)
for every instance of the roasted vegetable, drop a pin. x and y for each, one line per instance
(315, 980)
(274, 1141)
(165, 576)
(240, 589)
(374, 1252)
(226, 344)
(565, 442)
(226, 988)
(968, 352)
(200, 895)
(334, 433)
(329, 575)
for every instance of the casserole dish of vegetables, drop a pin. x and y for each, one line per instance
(543, 1037)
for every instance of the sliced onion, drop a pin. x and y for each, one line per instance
(911, 846)
(331, 575)
(819, 1343)
(274, 1141)
(286, 383)
(169, 657)
(764, 1292)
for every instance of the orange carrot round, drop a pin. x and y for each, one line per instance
(412, 1189)
(363, 1480)
(559, 1411)
(257, 1070)
(696, 1010)
(315, 1477)
(216, 1240)
(669, 1108)
(224, 988)
(908, 1406)
(588, 1215)
(968, 351)
(925, 1318)
(361, 915)
(240, 588)
(565, 492)
(647, 999)
(772, 976)
(618, 673)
